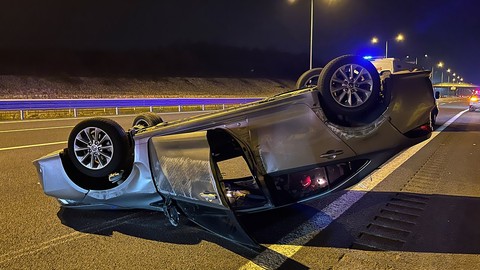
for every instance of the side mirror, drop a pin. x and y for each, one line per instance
(437, 94)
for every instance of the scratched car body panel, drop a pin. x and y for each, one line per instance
(285, 149)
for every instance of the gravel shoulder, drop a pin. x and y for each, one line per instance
(33, 87)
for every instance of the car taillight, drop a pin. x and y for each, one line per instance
(314, 179)
(306, 181)
(295, 186)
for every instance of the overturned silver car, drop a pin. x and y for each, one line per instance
(289, 148)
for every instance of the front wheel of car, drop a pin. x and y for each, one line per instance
(350, 89)
(308, 78)
(98, 147)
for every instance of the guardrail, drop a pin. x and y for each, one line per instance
(74, 104)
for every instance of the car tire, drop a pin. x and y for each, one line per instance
(98, 147)
(308, 78)
(350, 90)
(147, 120)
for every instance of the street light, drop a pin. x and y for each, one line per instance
(311, 30)
(398, 38)
(311, 34)
(448, 77)
(416, 58)
(426, 57)
(440, 65)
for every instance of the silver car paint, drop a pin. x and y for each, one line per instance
(283, 132)
(182, 167)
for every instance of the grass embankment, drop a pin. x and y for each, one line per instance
(66, 87)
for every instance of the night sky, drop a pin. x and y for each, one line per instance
(446, 31)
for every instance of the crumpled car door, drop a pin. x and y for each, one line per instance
(182, 170)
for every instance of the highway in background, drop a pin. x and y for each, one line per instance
(436, 192)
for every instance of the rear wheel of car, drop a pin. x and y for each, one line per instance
(98, 147)
(350, 89)
(147, 120)
(308, 78)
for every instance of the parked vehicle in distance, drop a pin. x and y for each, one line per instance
(474, 102)
(293, 147)
(392, 65)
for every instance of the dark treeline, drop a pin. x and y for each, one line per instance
(195, 60)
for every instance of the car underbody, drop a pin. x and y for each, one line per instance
(289, 148)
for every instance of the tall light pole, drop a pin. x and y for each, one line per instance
(311, 31)
(311, 34)
(398, 38)
(440, 65)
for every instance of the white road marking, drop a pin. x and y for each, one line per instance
(41, 120)
(68, 237)
(34, 129)
(276, 254)
(31, 145)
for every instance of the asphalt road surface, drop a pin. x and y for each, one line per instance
(418, 211)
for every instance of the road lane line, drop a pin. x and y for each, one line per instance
(94, 229)
(31, 145)
(276, 254)
(34, 129)
(104, 116)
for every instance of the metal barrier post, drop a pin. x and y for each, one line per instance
(151, 109)
(179, 108)
(75, 112)
(21, 114)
